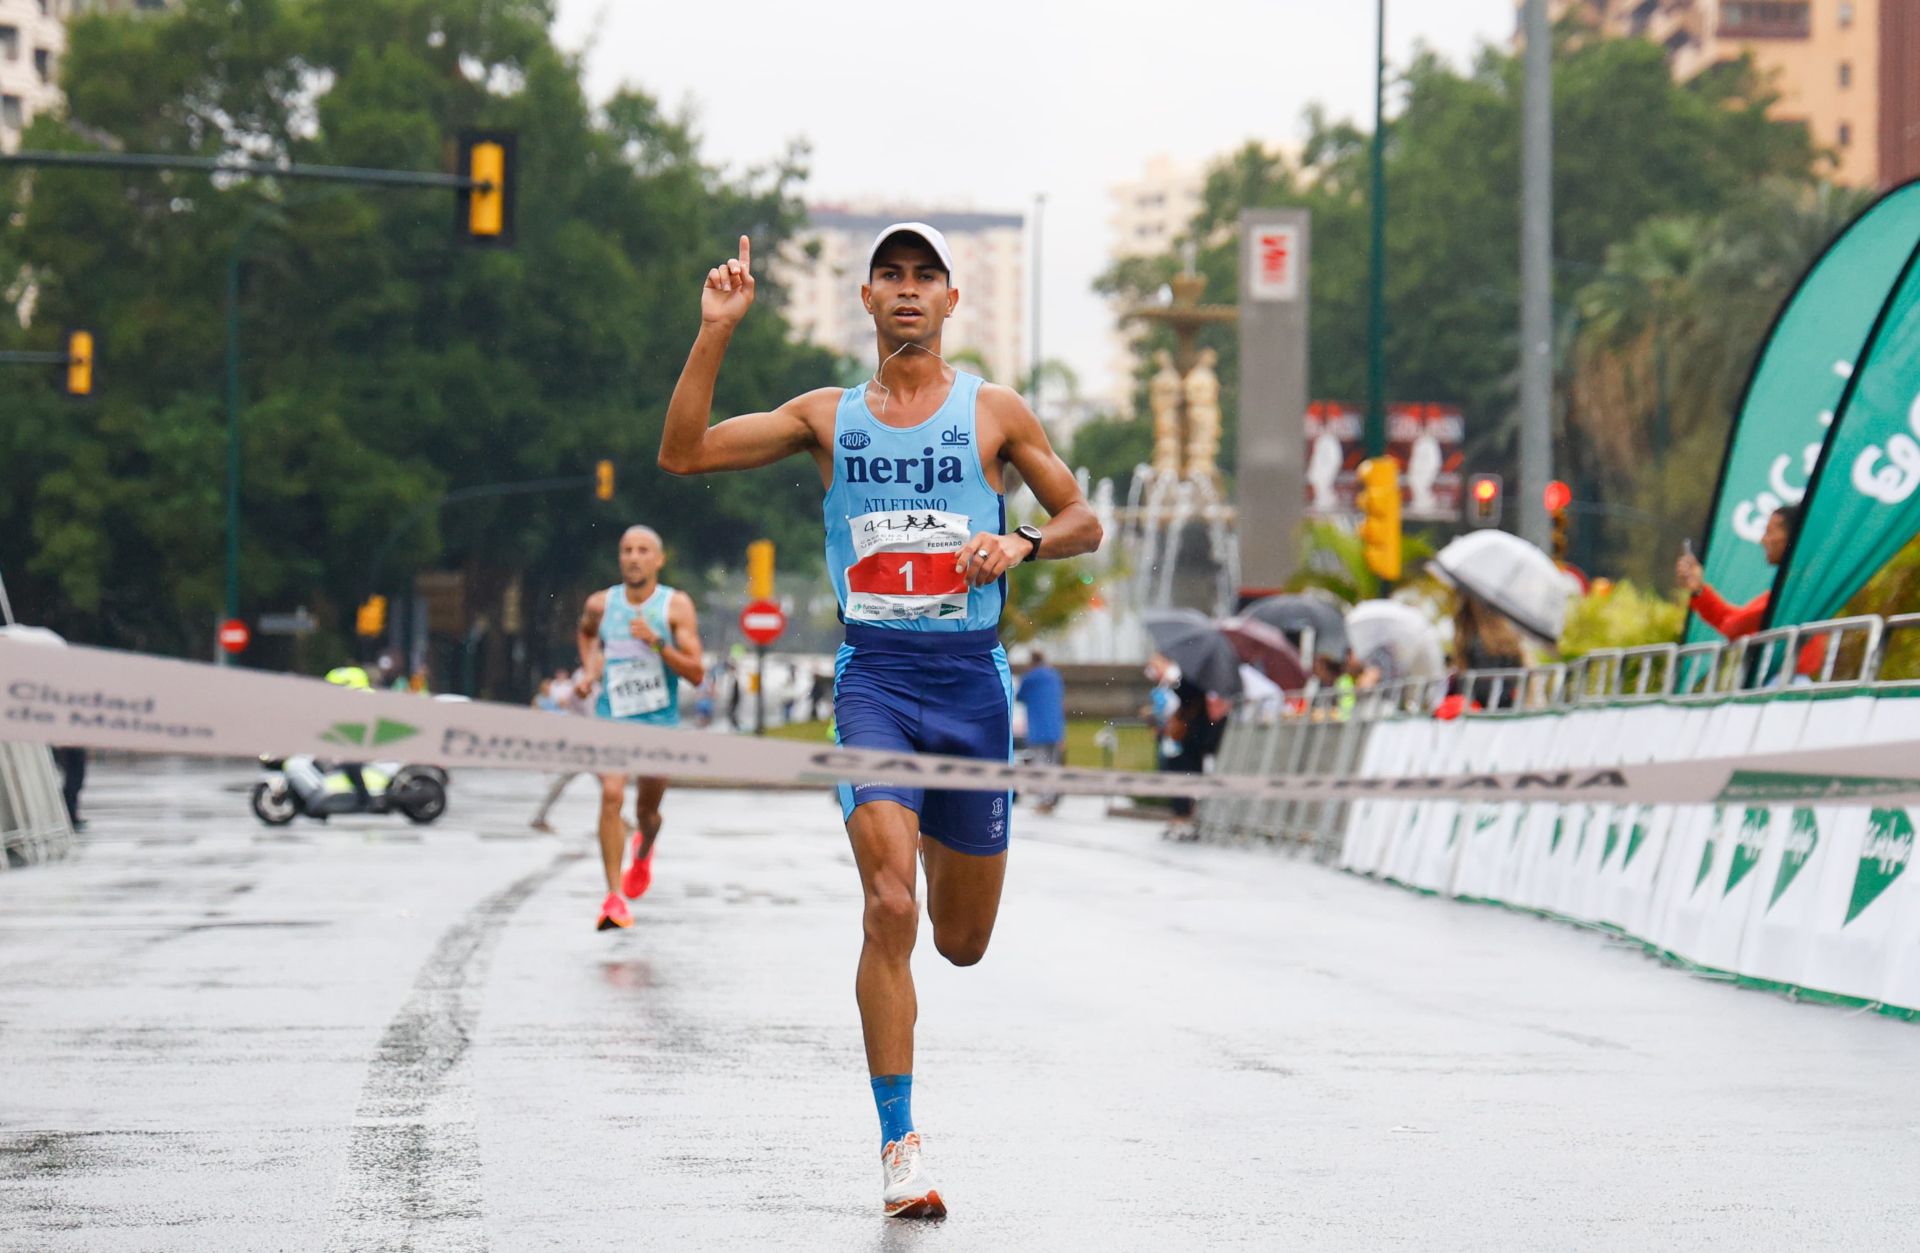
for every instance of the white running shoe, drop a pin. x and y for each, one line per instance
(909, 1193)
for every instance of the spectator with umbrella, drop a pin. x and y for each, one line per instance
(1502, 583)
(1204, 671)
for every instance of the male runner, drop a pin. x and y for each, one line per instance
(912, 465)
(637, 640)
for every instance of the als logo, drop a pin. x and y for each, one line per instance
(855, 439)
(954, 437)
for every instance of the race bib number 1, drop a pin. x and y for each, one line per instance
(903, 566)
(636, 680)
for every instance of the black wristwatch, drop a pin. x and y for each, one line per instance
(1031, 534)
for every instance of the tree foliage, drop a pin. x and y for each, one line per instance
(384, 362)
(1631, 146)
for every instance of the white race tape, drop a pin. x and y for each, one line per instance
(103, 699)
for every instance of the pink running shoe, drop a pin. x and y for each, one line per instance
(639, 876)
(613, 913)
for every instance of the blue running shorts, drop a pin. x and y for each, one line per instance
(927, 692)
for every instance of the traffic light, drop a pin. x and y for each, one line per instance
(80, 363)
(1483, 500)
(371, 621)
(760, 570)
(1378, 499)
(603, 480)
(486, 205)
(1557, 496)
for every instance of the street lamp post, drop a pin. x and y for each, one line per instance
(1536, 274)
(1033, 367)
(1376, 428)
(221, 655)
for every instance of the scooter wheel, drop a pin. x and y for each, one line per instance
(423, 800)
(275, 807)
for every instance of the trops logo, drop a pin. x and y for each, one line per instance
(1803, 837)
(1883, 858)
(855, 439)
(368, 735)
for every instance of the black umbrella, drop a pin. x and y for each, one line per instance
(1193, 642)
(1293, 615)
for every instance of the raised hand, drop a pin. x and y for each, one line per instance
(729, 290)
(1689, 573)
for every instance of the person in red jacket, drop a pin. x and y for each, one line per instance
(1735, 621)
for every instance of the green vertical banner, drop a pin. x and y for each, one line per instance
(1799, 379)
(1864, 502)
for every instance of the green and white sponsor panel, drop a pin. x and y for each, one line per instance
(1799, 896)
(1811, 899)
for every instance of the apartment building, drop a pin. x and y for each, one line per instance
(1849, 69)
(33, 39)
(822, 269)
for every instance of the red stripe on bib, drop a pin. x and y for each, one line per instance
(906, 574)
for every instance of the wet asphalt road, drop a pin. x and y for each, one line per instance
(371, 1036)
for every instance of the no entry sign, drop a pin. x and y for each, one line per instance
(762, 622)
(234, 636)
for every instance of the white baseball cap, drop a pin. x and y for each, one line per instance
(930, 235)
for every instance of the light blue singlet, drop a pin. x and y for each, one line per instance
(902, 502)
(638, 686)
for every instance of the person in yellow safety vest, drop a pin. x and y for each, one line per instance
(354, 678)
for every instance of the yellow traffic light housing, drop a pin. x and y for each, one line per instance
(371, 621)
(760, 570)
(487, 202)
(80, 363)
(1378, 499)
(1560, 535)
(603, 480)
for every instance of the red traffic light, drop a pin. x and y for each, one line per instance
(1485, 490)
(1557, 496)
(234, 635)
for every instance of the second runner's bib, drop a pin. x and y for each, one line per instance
(637, 684)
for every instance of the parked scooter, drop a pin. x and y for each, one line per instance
(292, 786)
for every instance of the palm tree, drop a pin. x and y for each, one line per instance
(1665, 336)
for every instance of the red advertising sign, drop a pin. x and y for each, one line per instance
(762, 621)
(1425, 439)
(1276, 263)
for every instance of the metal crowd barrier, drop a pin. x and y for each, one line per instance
(33, 814)
(1318, 731)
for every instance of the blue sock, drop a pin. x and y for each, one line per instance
(893, 1097)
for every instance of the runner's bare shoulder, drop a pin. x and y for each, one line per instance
(1003, 412)
(817, 409)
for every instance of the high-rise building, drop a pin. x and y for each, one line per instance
(1849, 69)
(33, 39)
(1149, 214)
(822, 270)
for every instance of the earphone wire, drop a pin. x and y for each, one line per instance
(887, 392)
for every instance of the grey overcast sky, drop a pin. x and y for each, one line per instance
(984, 104)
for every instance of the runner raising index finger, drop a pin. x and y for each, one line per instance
(917, 547)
